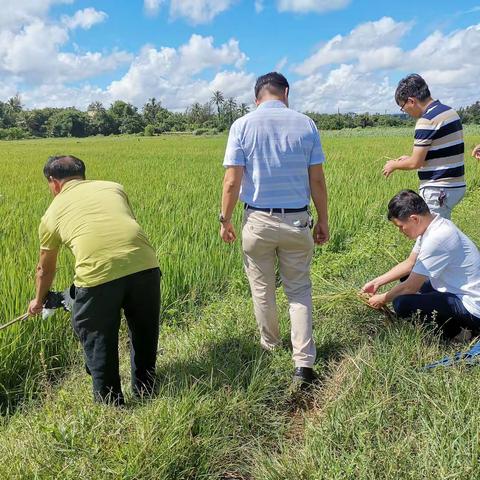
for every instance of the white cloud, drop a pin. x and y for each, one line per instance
(357, 71)
(380, 58)
(8, 88)
(234, 84)
(306, 6)
(366, 37)
(31, 49)
(199, 53)
(15, 13)
(198, 11)
(85, 19)
(448, 52)
(60, 95)
(259, 6)
(170, 74)
(371, 55)
(281, 64)
(343, 89)
(152, 6)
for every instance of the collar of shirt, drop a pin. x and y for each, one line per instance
(70, 184)
(431, 106)
(432, 225)
(272, 104)
(430, 228)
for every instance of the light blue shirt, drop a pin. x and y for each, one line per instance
(276, 145)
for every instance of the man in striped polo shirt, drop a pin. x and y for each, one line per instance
(438, 149)
(274, 161)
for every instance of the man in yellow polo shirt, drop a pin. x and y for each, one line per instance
(115, 268)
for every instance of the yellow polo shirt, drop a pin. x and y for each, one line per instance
(94, 219)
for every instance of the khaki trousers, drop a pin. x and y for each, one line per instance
(265, 238)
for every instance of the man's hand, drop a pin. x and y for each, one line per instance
(390, 167)
(227, 232)
(371, 287)
(377, 301)
(35, 307)
(476, 152)
(320, 233)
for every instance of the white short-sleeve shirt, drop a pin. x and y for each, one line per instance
(451, 261)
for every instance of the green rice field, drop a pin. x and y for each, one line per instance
(224, 410)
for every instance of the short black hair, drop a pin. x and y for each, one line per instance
(272, 81)
(412, 85)
(406, 203)
(64, 166)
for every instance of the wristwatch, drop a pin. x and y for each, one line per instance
(222, 219)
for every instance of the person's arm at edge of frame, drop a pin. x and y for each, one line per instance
(412, 162)
(44, 278)
(232, 182)
(318, 192)
(399, 271)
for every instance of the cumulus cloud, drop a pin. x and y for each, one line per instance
(359, 71)
(152, 7)
(31, 49)
(85, 19)
(16, 13)
(170, 74)
(233, 84)
(195, 11)
(204, 11)
(198, 11)
(61, 95)
(306, 6)
(344, 89)
(366, 38)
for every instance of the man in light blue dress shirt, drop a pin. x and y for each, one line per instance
(273, 161)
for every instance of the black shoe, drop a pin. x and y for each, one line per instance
(303, 375)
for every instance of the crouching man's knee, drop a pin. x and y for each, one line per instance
(402, 306)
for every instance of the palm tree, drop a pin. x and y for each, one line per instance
(218, 99)
(15, 104)
(230, 107)
(243, 109)
(151, 110)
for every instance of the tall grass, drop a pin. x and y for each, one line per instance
(174, 185)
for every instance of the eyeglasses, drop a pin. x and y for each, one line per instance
(403, 106)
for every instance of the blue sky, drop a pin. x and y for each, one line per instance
(342, 55)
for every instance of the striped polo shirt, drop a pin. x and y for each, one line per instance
(276, 145)
(440, 129)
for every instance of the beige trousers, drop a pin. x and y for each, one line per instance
(265, 238)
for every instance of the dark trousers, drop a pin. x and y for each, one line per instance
(445, 309)
(96, 321)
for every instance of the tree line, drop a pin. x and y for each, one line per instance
(211, 117)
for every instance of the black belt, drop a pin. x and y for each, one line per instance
(277, 210)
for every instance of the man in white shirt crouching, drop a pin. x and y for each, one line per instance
(443, 270)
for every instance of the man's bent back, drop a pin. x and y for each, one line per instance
(94, 219)
(115, 269)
